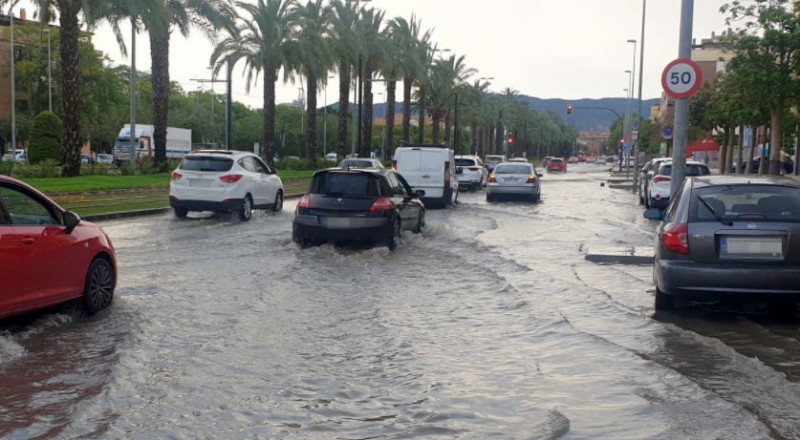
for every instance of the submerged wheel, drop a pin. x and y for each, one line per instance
(278, 205)
(98, 292)
(391, 243)
(420, 223)
(181, 212)
(489, 197)
(664, 301)
(247, 208)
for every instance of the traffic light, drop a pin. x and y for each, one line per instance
(510, 139)
(569, 109)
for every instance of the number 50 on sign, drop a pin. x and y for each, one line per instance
(681, 78)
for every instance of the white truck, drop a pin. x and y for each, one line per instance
(179, 143)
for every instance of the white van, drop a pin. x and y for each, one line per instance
(430, 168)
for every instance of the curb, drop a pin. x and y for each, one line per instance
(624, 255)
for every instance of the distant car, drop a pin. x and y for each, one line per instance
(729, 237)
(20, 157)
(224, 181)
(471, 172)
(331, 157)
(646, 173)
(85, 158)
(514, 180)
(105, 158)
(658, 190)
(49, 255)
(357, 204)
(493, 159)
(546, 160)
(573, 159)
(557, 164)
(360, 163)
(518, 159)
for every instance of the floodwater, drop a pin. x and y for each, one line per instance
(491, 324)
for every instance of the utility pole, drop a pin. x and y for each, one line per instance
(360, 98)
(134, 80)
(228, 104)
(681, 138)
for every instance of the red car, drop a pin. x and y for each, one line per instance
(50, 256)
(557, 164)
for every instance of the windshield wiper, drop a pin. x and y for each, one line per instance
(715, 213)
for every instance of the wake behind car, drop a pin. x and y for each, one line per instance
(357, 204)
(49, 255)
(471, 172)
(514, 179)
(224, 181)
(729, 237)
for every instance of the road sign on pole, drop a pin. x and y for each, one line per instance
(667, 133)
(635, 125)
(681, 78)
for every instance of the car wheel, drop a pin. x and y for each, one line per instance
(181, 212)
(647, 201)
(98, 292)
(420, 223)
(247, 208)
(663, 301)
(489, 197)
(278, 205)
(536, 198)
(391, 243)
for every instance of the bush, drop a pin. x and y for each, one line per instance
(45, 140)
(46, 168)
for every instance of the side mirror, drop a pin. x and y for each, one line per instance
(540, 174)
(654, 214)
(70, 221)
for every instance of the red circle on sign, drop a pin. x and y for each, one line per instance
(674, 77)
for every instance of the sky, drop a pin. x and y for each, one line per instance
(567, 49)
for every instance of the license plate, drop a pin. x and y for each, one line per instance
(510, 179)
(753, 247)
(200, 183)
(337, 222)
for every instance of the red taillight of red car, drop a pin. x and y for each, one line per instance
(657, 179)
(176, 175)
(382, 204)
(394, 165)
(305, 202)
(231, 178)
(676, 238)
(531, 179)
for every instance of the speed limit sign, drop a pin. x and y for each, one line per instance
(681, 78)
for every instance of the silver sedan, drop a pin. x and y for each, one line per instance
(514, 179)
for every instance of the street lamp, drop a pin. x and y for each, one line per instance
(325, 119)
(13, 89)
(49, 73)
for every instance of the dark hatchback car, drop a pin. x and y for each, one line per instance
(729, 237)
(362, 205)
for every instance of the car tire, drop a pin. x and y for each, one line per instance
(391, 243)
(278, 205)
(489, 197)
(420, 223)
(181, 212)
(536, 198)
(98, 291)
(247, 209)
(663, 302)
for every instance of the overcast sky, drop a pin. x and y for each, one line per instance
(544, 48)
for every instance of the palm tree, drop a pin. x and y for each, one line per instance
(261, 39)
(446, 75)
(346, 47)
(368, 30)
(312, 58)
(405, 35)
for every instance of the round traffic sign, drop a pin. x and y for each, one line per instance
(681, 78)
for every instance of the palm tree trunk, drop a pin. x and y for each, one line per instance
(728, 159)
(447, 127)
(436, 117)
(776, 141)
(421, 115)
(723, 150)
(71, 95)
(366, 137)
(269, 116)
(740, 153)
(159, 55)
(391, 89)
(407, 82)
(344, 107)
(311, 118)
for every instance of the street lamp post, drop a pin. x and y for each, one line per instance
(325, 119)
(13, 91)
(49, 73)
(639, 112)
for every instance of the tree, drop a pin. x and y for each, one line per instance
(368, 30)
(45, 138)
(411, 51)
(345, 46)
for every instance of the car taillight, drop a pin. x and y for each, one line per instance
(176, 175)
(446, 174)
(531, 179)
(473, 168)
(382, 204)
(492, 178)
(394, 165)
(675, 238)
(305, 202)
(231, 178)
(661, 179)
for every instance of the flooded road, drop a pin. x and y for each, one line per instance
(491, 324)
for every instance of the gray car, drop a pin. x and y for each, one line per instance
(514, 179)
(726, 237)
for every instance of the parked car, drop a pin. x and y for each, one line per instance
(105, 158)
(514, 180)
(49, 255)
(331, 157)
(729, 237)
(788, 165)
(357, 204)
(646, 173)
(360, 163)
(430, 168)
(87, 158)
(471, 172)
(224, 181)
(557, 164)
(20, 157)
(518, 159)
(658, 190)
(493, 159)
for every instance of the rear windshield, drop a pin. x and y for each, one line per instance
(356, 163)
(494, 158)
(691, 170)
(746, 202)
(206, 163)
(556, 160)
(465, 162)
(513, 169)
(345, 184)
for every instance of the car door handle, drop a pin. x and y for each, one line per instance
(426, 176)
(28, 240)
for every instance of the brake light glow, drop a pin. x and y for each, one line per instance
(305, 202)
(394, 165)
(176, 175)
(473, 168)
(446, 174)
(492, 179)
(531, 179)
(661, 179)
(676, 238)
(231, 178)
(382, 204)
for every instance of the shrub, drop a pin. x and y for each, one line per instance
(45, 140)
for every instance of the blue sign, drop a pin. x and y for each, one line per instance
(635, 124)
(625, 149)
(667, 132)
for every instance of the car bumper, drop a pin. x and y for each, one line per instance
(512, 189)
(697, 280)
(205, 205)
(320, 228)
